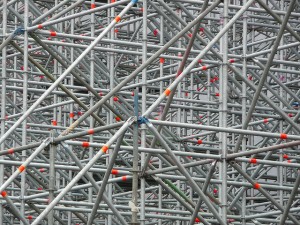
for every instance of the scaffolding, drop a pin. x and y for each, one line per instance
(150, 112)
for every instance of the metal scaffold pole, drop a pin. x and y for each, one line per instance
(149, 112)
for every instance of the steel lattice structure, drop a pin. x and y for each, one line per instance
(150, 112)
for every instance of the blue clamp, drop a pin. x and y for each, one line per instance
(134, 1)
(18, 31)
(142, 120)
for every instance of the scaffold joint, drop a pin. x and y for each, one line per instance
(142, 120)
(19, 31)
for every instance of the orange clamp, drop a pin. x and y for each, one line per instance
(104, 148)
(283, 136)
(118, 18)
(85, 144)
(4, 194)
(114, 172)
(256, 186)
(167, 92)
(91, 131)
(253, 160)
(204, 68)
(53, 33)
(11, 151)
(21, 168)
